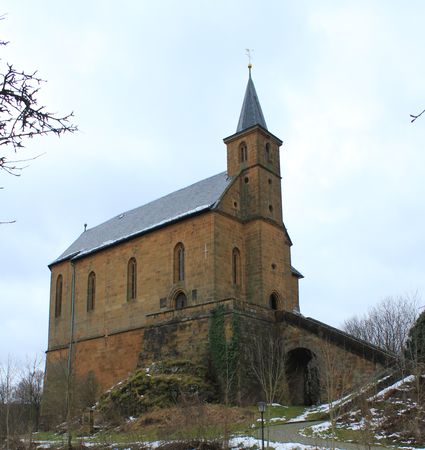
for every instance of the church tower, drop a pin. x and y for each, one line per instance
(253, 153)
(253, 159)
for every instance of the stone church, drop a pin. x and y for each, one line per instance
(142, 285)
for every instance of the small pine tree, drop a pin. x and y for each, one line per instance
(415, 345)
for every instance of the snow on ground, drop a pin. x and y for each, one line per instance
(247, 442)
(321, 427)
(396, 385)
(277, 419)
(323, 408)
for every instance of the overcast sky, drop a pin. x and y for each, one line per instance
(155, 87)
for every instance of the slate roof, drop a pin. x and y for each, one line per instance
(251, 113)
(296, 272)
(188, 201)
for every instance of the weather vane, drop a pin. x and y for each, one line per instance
(249, 54)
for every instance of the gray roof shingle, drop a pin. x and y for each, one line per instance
(251, 113)
(193, 199)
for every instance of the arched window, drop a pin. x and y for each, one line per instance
(268, 153)
(273, 301)
(236, 267)
(181, 300)
(58, 298)
(178, 262)
(243, 152)
(132, 279)
(91, 291)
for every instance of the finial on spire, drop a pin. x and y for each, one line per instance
(251, 113)
(248, 53)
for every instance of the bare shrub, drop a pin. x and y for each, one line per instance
(387, 324)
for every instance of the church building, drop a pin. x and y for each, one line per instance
(142, 285)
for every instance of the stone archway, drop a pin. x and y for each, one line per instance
(180, 300)
(302, 375)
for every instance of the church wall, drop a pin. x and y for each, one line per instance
(265, 259)
(154, 255)
(255, 193)
(270, 195)
(232, 202)
(254, 269)
(276, 265)
(110, 358)
(183, 334)
(59, 327)
(228, 234)
(250, 189)
(255, 141)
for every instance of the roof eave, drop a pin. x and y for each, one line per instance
(296, 273)
(82, 254)
(234, 136)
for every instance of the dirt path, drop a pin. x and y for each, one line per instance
(289, 433)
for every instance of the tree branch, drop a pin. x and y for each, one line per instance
(415, 117)
(20, 116)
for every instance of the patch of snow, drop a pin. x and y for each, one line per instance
(277, 419)
(325, 407)
(321, 426)
(247, 442)
(396, 385)
(354, 426)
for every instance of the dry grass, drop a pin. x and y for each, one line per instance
(192, 420)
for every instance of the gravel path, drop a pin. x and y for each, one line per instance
(289, 433)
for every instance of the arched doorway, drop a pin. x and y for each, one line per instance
(302, 375)
(180, 300)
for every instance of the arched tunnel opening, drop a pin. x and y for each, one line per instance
(302, 376)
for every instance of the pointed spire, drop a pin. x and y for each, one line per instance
(251, 113)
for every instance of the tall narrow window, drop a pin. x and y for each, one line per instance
(236, 267)
(58, 298)
(178, 262)
(132, 279)
(268, 153)
(91, 291)
(243, 152)
(273, 301)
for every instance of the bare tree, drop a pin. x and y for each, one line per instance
(334, 375)
(267, 363)
(21, 117)
(387, 324)
(7, 378)
(28, 393)
(415, 116)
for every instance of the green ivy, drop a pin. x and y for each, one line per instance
(224, 354)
